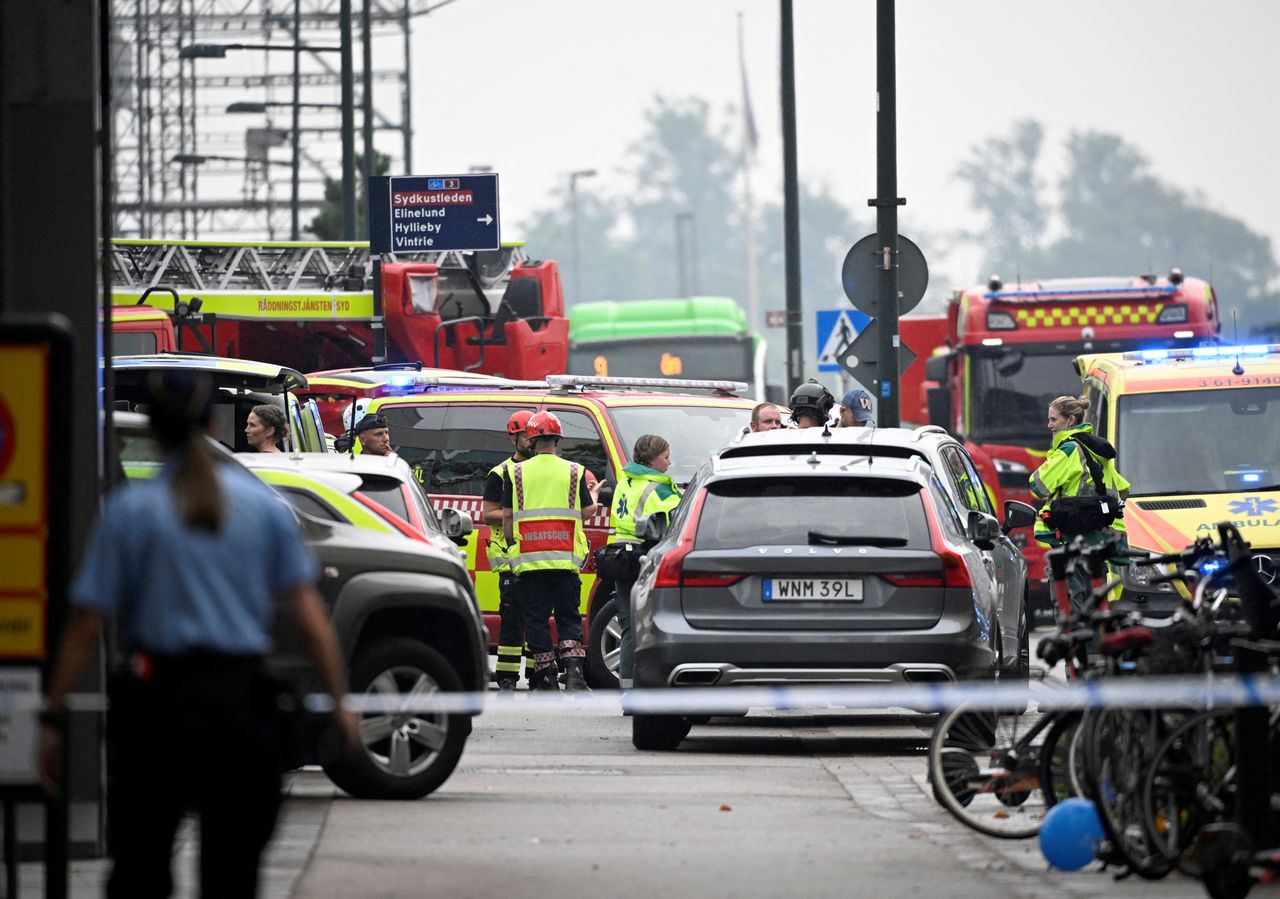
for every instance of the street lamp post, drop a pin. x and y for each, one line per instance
(219, 51)
(251, 106)
(573, 227)
(348, 126)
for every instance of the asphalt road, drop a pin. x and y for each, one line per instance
(551, 799)
(558, 803)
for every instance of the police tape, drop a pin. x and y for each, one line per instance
(1149, 691)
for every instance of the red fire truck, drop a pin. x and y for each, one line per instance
(1006, 351)
(315, 305)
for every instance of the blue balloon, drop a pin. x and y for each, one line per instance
(1069, 834)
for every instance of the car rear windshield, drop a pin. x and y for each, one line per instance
(799, 511)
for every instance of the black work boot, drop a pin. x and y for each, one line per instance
(544, 681)
(574, 681)
(506, 686)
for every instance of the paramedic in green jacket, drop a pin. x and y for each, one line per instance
(644, 490)
(1065, 472)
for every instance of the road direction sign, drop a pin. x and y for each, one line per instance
(836, 329)
(436, 212)
(859, 357)
(860, 274)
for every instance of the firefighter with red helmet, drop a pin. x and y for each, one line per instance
(811, 405)
(544, 505)
(511, 642)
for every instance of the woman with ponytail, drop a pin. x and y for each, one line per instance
(190, 565)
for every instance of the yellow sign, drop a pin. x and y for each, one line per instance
(24, 385)
(24, 534)
(601, 365)
(249, 305)
(21, 628)
(671, 366)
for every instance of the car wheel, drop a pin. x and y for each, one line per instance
(1022, 665)
(659, 732)
(405, 755)
(604, 648)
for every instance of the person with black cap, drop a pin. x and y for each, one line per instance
(191, 565)
(810, 405)
(855, 409)
(374, 435)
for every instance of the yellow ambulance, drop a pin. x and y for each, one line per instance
(1197, 432)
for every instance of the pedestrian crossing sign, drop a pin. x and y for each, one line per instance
(836, 330)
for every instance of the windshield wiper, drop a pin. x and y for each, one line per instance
(817, 538)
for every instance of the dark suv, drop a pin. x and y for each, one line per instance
(407, 622)
(816, 564)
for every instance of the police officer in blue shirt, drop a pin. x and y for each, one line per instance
(190, 565)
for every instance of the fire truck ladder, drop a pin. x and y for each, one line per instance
(278, 267)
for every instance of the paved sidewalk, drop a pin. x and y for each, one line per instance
(297, 832)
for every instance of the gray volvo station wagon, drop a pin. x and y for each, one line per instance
(846, 556)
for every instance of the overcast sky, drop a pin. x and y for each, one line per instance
(538, 89)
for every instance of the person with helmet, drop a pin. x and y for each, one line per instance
(644, 490)
(511, 643)
(544, 505)
(811, 404)
(855, 409)
(1083, 494)
(352, 413)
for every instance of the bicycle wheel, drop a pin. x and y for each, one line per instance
(1118, 750)
(985, 769)
(1190, 784)
(1055, 759)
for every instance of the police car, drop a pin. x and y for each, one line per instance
(1195, 433)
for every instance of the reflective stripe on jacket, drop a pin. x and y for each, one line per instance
(546, 515)
(498, 552)
(639, 495)
(1065, 472)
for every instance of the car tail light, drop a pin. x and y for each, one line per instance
(954, 572)
(671, 568)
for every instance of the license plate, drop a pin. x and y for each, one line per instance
(812, 588)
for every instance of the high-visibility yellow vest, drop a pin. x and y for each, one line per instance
(498, 552)
(635, 500)
(547, 517)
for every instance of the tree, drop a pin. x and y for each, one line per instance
(1112, 216)
(1002, 176)
(327, 225)
(686, 161)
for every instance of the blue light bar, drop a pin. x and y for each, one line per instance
(1202, 353)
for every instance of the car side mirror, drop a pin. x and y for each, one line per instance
(655, 528)
(1017, 515)
(983, 529)
(456, 525)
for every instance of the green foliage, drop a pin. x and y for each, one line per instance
(327, 225)
(1113, 217)
(688, 161)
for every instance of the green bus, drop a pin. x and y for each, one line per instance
(694, 337)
